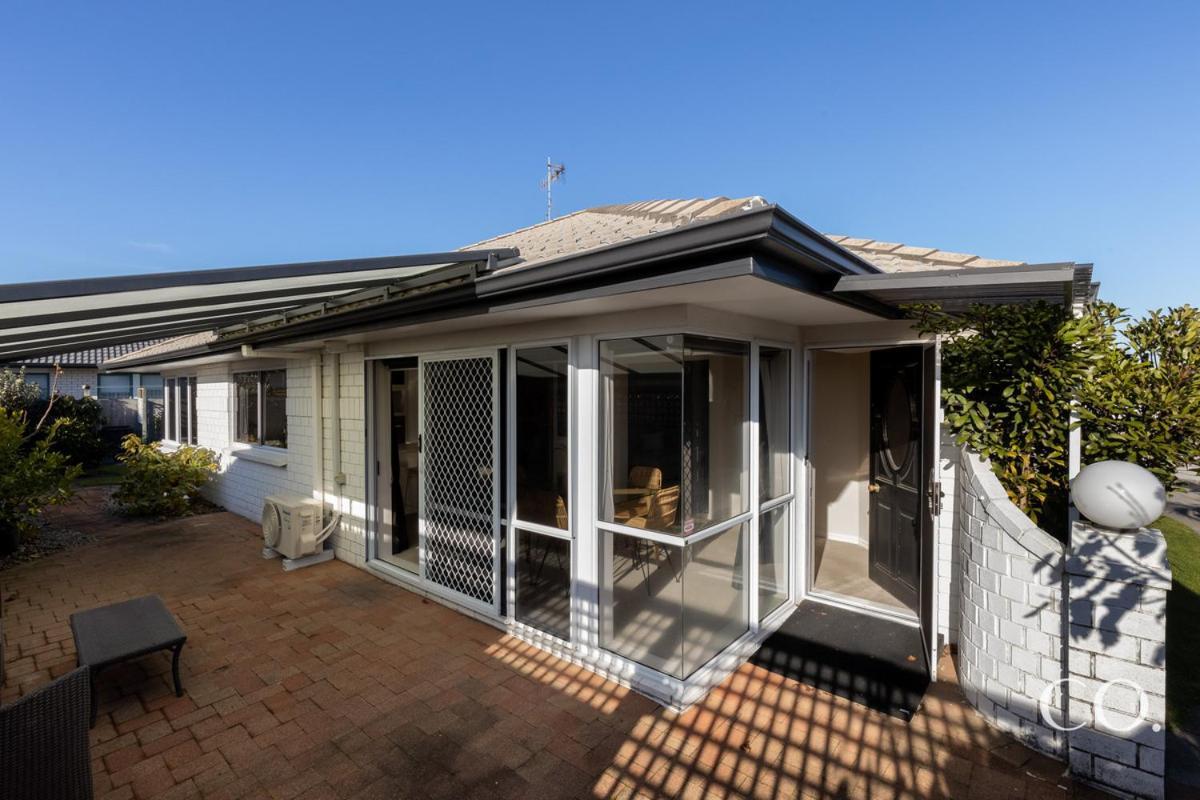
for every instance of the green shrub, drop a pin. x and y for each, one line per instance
(80, 420)
(32, 476)
(1014, 377)
(158, 482)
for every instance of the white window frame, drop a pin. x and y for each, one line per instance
(510, 521)
(261, 416)
(174, 407)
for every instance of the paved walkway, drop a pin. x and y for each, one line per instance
(329, 682)
(1184, 503)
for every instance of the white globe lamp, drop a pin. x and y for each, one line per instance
(1118, 494)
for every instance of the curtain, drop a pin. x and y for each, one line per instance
(605, 415)
(774, 428)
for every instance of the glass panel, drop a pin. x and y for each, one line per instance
(274, 400)
(641, 419)
(715, 604)
(185, 415)
(898, 430)
(773, 558)
(192, 410)
(154, 386)
(715, 410)
(774, 422)
(673, 608)
(118, 385)
(169, 409)
(401, 544)
(40, 380)
(541, 435)
(247, 407)
(641, 595)
(544, 583)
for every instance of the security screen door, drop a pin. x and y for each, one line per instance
(460, 499)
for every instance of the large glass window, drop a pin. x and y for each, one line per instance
(40, 380)
(673, 416)
(673, 608)
(115, 385)
(153, 384)
(262, 407)
(774, 422)
(541, 436)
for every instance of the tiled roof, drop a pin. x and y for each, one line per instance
(94, 356)
(600, 226)
(605, 225)
(163, 346)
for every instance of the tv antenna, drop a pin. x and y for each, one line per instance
(554, 172)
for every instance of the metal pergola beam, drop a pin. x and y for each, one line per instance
(59, 317)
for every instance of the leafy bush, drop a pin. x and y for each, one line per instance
(80, 420)
(1014, 377)
(159, 482)
(16, 394)
(32, 476)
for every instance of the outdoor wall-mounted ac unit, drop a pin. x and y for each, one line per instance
(291, 525)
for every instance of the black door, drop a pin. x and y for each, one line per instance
(897, 467)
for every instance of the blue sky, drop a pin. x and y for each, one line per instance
(146, 137)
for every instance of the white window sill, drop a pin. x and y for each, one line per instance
(168, 446)
(260, 454)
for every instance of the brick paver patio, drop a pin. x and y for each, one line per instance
(329, 682)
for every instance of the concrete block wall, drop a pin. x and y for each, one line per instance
(1010, 646)
(1117, 587)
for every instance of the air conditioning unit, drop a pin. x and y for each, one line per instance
(291, 525)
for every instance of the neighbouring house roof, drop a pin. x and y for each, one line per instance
(578, 236)
(91, 358)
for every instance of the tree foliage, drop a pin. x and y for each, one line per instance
(1016, 378)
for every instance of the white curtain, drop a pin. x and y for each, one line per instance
(774, 427)
(605, 414)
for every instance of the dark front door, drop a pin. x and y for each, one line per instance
(897, 467)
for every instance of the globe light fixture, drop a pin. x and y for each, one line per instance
(1118, 494)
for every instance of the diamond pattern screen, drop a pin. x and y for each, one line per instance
(459, 476)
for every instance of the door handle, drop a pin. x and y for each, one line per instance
(873, 488)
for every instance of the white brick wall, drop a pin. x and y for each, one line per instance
(1009, 581)
(241, 484)
(1118, 584)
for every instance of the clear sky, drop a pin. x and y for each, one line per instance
(141, 137)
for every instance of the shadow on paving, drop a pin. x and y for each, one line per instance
(329, 682)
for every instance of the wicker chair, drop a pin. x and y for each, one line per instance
(44, 742)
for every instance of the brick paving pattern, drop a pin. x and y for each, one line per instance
(330, 683)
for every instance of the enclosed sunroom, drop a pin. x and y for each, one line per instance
(637, 436)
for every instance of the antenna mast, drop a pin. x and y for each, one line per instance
(554, 172)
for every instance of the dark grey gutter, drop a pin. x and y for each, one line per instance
(79, 287)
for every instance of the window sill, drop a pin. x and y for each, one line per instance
(259, 454)
(168, 446)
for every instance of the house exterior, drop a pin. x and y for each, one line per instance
(79, 373)
(636, 435)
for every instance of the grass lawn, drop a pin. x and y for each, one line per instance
(103, 475)
(1183, 621)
